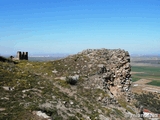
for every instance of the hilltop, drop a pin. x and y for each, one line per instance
(91, 85)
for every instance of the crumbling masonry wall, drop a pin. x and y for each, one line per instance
(109, 69)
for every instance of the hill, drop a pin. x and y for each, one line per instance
(93, 84)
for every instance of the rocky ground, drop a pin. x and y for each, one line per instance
(91, 85)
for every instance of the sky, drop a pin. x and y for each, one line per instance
(70, 26)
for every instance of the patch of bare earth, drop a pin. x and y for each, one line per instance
(141, 86)
(136, 72)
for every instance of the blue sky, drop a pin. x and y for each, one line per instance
(70, 26)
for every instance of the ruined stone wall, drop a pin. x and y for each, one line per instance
(109, 70)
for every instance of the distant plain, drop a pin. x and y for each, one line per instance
(147, 68)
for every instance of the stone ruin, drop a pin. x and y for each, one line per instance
(109, 70)
(20, 56)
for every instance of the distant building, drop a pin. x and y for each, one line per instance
(148, 114)
(22, 55)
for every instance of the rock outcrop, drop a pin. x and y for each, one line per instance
(106, 69)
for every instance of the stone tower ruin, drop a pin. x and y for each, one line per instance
(22, 55)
